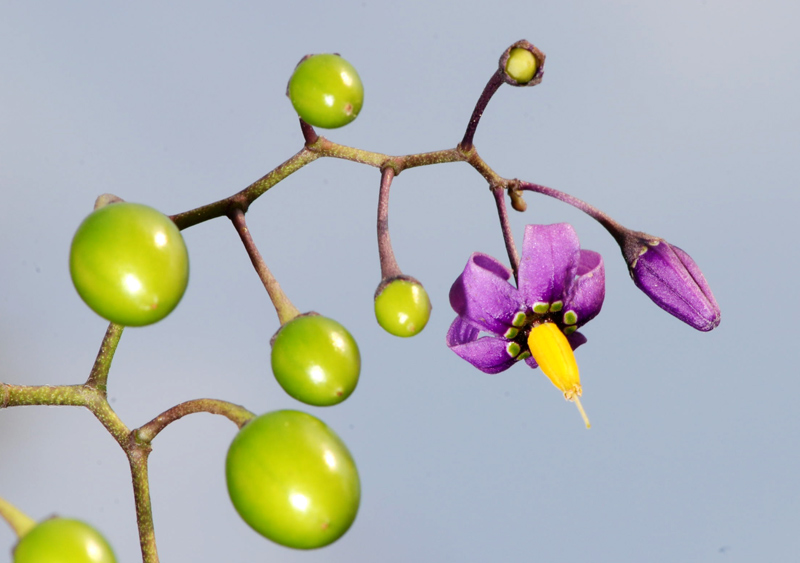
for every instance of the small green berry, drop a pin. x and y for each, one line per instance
(62, 540)
(293, 480)
(129, 263)
(521, 65)
(316, 360)
(402, 307)
(326, 91)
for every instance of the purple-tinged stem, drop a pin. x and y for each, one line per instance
(389, 267)
(616, 230)
(505, 225)
(235, 413)
(308, 132)
(285, 309)
(494, 83)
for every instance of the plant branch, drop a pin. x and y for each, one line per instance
(98, 378)
(610, 225)
(309, 134)
(505, 226)
(137, 459)
(235, 413)
(491, 87)
(248, 195)
(389, 267)
(285, 309)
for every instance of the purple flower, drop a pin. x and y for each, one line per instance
(558, 283)
(671, 279)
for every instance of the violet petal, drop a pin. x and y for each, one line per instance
(483, 295)
(586, 294)
(548, 263)
(487, 353)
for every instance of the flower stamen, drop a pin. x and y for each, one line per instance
(552, 351)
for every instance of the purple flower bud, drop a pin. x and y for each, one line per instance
(671, 279)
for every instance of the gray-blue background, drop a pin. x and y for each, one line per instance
(678, 118)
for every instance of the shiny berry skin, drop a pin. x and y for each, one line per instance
(293, 480)
(402, 307)
(316, 360)
(326, 91)
(63, 540)
(129, 263)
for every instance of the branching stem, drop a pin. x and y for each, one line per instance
(235, 413)
(285, 309)
(98, 378)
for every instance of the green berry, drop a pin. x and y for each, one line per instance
(402, 307)
(293, 480)
(326, 91)
(129, 263)
(316, 360)
(521, 65)
(63, 540)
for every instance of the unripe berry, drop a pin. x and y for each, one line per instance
(59, 540)
(326, 91)
(129, 263)
(521, 65)
(402, 306)
(293, 480)
(316, 360)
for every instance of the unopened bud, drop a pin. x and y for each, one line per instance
(671, 279)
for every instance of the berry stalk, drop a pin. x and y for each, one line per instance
(285, 309)
(389, 266)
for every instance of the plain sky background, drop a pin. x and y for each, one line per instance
(678, 118)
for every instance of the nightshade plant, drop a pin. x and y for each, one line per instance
(557, 288)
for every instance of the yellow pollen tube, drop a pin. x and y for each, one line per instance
(551, 350)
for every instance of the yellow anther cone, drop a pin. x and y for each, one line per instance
(551, 350)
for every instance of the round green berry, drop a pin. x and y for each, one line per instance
(293, 480)
(521, 65)
(63, 540)
(129, 263)
(316, 360)
(326, 91)
(402, 307)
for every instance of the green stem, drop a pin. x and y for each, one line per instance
(20, 522)
(235, 413)
(249, 194)
(98, 377)
(137, 458)
(320, 147)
